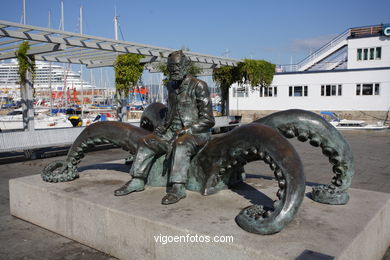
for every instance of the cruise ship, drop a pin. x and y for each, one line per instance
(61, 79)
(350, 76)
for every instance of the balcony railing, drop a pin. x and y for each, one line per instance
(353, 32)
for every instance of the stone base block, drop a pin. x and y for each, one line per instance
(137, 226)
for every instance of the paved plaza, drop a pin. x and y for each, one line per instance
(22, 240)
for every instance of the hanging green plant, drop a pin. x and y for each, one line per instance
(128, 71)
(258, 73)
(194, 70)
(26, 63)
(225, 77)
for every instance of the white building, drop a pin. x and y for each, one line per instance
(350, 76)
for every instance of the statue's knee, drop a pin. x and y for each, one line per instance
(185, 148)
(181, 143)
(184, 139)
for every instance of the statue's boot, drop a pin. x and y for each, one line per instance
(177, 192)
(135, 184)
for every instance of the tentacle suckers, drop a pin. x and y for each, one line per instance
(117, 133)
(308, 126)
(258, 142)
(221, 161)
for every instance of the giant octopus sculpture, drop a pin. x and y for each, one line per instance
(220, 163)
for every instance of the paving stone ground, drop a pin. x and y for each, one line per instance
(22, 240)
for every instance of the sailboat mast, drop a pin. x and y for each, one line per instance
(65, 89)
(81, 67)
(62, 16)
(24, 11)
(116, 25)
(50, 86)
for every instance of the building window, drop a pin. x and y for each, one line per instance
(297, 91)
(240, 91)
(372, 50)
(376, 92)
(359, 54)
(358, 89)
(378, 53)
(367, 89)
(331, 90)
(365, 54)
(369, 53)
(333, 93)
(268, 91)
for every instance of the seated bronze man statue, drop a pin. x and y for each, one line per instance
(181, 146)
(186, 129)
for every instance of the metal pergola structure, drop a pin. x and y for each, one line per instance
(67, 47)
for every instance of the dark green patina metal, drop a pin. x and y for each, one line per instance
(220, 162)
(308, 126)
(215, 167)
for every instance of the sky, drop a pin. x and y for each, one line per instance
(280, 32)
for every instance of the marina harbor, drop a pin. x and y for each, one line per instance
(203, 130)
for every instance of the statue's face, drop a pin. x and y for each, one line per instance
(176, 67)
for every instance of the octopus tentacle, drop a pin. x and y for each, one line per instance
(249, 143)
(307, 125)
(117, 133)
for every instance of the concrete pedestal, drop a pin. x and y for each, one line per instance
(127, 227)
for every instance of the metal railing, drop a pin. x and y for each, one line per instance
(353, 32)
(43, 138)
(28, 140)
(325, 48)
(296, 67)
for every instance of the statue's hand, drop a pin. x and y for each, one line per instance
(183, 131)
(160, 130)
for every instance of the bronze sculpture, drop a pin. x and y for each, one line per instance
(185, 130)
(219, 163)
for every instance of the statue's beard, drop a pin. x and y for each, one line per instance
(178, 76)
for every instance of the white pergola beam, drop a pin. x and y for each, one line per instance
(101, 64)
(93, 46)
(48, 48)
